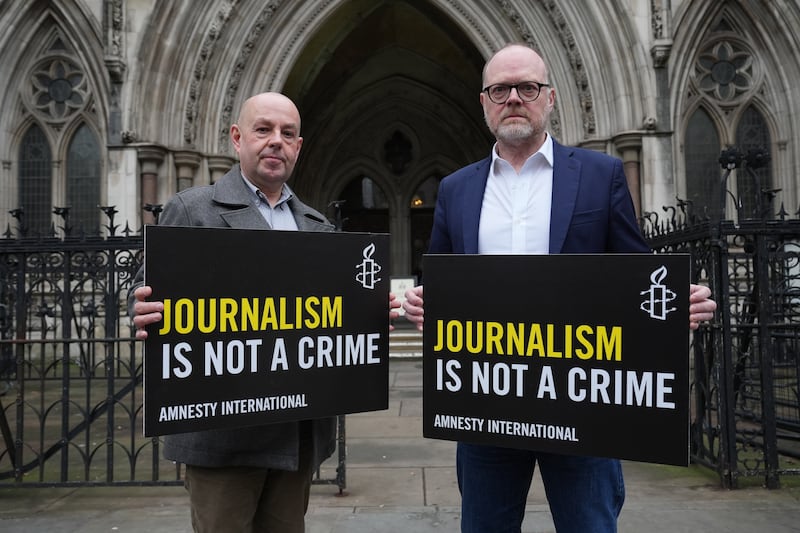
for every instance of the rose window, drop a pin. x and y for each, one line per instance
(58, 89)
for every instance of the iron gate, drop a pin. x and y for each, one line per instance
(70, 368)
(746, 364)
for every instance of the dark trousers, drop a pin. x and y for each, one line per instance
(250, 500)
(585, 493)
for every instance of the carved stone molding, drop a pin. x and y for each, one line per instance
(239, 67)
(201, 69)
(628, 143)
(150, 157)
(186, 165)
(598, 145)
(660, 52)
(657, 19)
(457, 6)
(129, 136)
(218, 165)
(113, 26)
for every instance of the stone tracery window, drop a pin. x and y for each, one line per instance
(727, 76)
(724, 71)
(83, 179)
(35, 180)
(57, 94)
(752, 133)
(701, 152)
(58, 89)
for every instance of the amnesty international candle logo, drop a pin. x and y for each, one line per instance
(658, 295)
(543, 357)
(368, 269)
(255, 332)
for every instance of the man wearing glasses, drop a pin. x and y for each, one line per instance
(535, 196)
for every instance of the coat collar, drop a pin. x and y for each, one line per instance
(231, 191)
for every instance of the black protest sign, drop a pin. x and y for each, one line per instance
(570, 354)
(264, 326)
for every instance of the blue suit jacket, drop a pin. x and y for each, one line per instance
(592, 210)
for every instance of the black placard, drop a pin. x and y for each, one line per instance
(264, 326)
(571, 354)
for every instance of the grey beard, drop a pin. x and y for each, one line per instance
(514, 133)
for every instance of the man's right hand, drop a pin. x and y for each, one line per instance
(145, 312)
(413, 306)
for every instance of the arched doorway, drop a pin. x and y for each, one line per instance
(388, 92)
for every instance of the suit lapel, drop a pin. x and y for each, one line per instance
(566, 180)
(473, 202)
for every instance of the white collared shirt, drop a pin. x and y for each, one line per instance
(278, 216)
(515, 217)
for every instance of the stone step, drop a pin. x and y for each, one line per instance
(405, 343)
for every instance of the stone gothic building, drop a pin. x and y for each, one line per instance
(124, 102)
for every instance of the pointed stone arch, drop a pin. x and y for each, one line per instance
(743, 31)
(327, 54)
(42, 26)
(59, 82)
(229, 51)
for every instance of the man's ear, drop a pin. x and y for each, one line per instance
(236, 136)
(552, 98)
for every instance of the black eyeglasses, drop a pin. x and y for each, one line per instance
(528, 91)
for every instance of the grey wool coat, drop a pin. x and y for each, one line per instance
(229, 204)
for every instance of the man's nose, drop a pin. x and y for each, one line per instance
(274, 137)
(513, 92)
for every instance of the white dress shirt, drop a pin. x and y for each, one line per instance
(515, 217)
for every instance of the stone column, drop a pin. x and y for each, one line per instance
(659, 179)
(219, 165)
(186, 163)
(630, 146)
(400, 229)
(598, 145)
(150, 158)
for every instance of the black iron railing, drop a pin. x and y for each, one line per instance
(746, 364)
(72, 414)
(70, 368)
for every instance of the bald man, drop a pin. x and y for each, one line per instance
(254, 479)
(535, 196)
